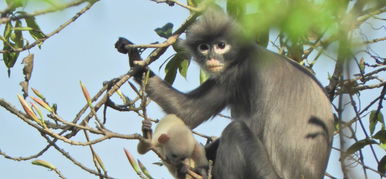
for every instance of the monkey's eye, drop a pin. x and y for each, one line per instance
(221, 45)
(203, 47)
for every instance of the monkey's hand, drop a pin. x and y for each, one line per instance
(135, 59)
(202, 170)
(182, 170)
(120, 45)
(144, 146)
(134, 54)
(146, 129)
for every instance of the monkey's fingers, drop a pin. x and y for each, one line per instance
(146, 128)
(134, 53)
(202, 171)
(120, 45)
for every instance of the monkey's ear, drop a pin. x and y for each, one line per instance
(163, 138)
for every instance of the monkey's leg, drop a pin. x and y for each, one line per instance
(211, 150)
(242, 155)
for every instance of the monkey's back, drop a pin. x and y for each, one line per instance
(294, 117)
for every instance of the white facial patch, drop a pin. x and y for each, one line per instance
(221, 48)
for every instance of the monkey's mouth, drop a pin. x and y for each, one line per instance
(215, 68)
(214, 65)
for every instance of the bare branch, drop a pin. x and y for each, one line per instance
(67, 155)
(25, 158)
(56, 170)
(372, 41)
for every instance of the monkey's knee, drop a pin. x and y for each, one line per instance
(236, 130)
(211, 149)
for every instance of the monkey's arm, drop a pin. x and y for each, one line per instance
(200, 160)
(194, 107)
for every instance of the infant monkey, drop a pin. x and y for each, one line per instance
(178, 147)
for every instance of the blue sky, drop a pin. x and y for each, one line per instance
(84, 51)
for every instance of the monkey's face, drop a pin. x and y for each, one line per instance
(175, 159)
(214, 41)
(211, 56)
(175, 153)
(179, 147)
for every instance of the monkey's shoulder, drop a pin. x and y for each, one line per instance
(286, 64)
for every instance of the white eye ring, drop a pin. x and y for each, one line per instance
(203, 48)
(221, 47)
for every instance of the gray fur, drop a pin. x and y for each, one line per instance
(269, 96)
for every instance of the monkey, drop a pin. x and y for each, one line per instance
(178, 147)
(282, 122)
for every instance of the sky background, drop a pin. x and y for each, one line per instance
(84, 51)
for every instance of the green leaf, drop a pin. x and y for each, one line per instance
(44, 164)
(180, 62)
(359, 145)
(18, 35)
(362, 64)
(15, 3)
(194, 3)
(8, 30)
(374, 119)
(55, 107)
(236, 9)
(203, 76)
(381, 136)
(382, 165)
(144, 169)
(171, 70)
(9, 58)
(165, 31)
(383, 146)
(36, 33)
(183, 67)
(262, 37)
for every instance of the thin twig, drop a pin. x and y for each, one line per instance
(94, 155)
(56, 170)
(179, 3)
(372, 41)
(161, 48)
(60, 28)
(68, 156)
(104, 99)
(25, 158)
(106, 134)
